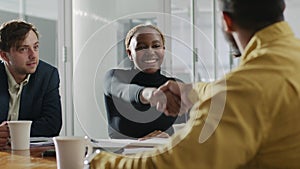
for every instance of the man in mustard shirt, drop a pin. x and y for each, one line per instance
(249, 118)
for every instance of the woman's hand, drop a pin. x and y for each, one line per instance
(162, 100)
(180, 91)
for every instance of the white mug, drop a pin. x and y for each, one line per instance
(19, 134)
(71, 151)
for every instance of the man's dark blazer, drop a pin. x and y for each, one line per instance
(40, 100)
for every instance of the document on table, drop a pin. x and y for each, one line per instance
(41, 141)
(152, 142)
(128, 146)
(111, 144)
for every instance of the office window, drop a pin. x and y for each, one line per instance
(43, 14)
(202, 53)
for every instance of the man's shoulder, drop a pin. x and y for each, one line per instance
(2, 67)
(2, 71)
(45, 65)
(45, 69)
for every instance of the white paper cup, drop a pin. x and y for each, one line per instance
(71, 151)
(178, 127)
(19, 134)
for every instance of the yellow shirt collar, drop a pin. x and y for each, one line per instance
(270, 33)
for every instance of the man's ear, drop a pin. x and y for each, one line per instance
(228, 24)
(129, 54)
(3, 56)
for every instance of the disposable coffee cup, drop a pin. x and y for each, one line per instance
(71, 151)
(19, 134)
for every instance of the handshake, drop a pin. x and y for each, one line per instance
(172, 98)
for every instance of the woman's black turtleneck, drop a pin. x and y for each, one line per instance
(127, 116)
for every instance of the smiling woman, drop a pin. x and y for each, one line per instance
(145, 46)
(129, 93)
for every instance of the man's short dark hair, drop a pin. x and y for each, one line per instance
(13, 33)
(253, 14)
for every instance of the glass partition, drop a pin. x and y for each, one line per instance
(99, 32)
(195, 49)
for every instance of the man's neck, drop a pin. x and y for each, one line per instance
(18, 77)
(243, 37)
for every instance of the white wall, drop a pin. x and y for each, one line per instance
(292, 14)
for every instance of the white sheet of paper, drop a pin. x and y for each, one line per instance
(41, 141)
(120, 143)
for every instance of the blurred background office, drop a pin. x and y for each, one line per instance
(84, 38)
